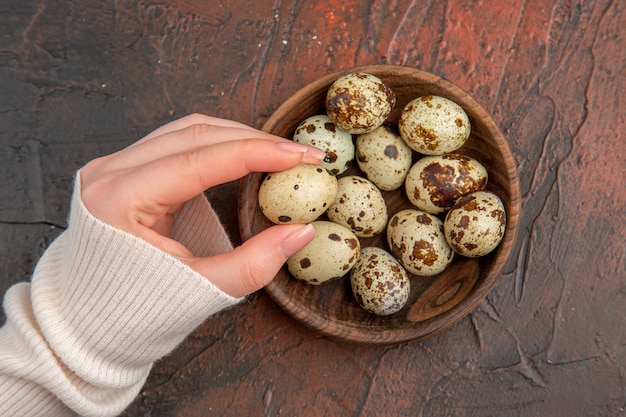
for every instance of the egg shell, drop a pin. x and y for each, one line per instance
(298, 195)
(434, 125)
(359, 102)
(475, 225)
(383, 157)
(417, 240)
(321, 132)
(359, 205)
(434, 183)
(379, 283)
(329, 256)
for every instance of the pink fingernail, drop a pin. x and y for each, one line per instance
(297, 240)
(311, 154)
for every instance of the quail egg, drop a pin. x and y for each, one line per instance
(359, 102)
(434, 125)
(297, 195)
(383, 157)
(475, 225)
(379, 283)
(359, 206)
(330, 255)
(416, 239)
(434, 183)
(321, 132)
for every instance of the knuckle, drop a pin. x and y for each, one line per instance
(254, 274)
(188, 158)
(198, 119)
(197, 132)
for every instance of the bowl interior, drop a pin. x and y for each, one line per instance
(435, 302)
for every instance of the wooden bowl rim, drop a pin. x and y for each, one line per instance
(354, 331)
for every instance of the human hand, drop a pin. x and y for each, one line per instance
(140, 188)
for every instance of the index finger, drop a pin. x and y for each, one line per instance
(177, 178)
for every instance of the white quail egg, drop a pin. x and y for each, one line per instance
(321, 132)
(298, 195)
(383, 157)
(379, 283)
(359, 206)
(434, 183)
(330, 255)
(434, 125)
(416, 239)
(359, 102)
(475, 225)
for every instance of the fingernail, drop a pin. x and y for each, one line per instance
(311, 154)
(297, 240)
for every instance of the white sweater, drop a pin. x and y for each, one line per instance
(101, 308)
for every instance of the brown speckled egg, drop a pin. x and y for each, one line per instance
(434, 183)
(321, 132)
(359, 102)
(329, 256)
(359, 206)
(434, 125)
(298, 195)
(383, 157)
(379, 283)
(416, 239)
(475, 225)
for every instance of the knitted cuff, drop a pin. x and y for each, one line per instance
(111, 304)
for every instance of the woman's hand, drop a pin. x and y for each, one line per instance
(140, 188)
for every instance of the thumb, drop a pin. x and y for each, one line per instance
(251, 266)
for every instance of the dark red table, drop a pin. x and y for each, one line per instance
(81, 79)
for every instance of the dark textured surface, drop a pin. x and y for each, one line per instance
(80, 80)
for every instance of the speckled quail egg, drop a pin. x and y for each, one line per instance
(359, 102)
(417, 240)
(321, 132)
(475, 225)
(434, 183)
(379, 282)
(330, 255)
(434, 125)
(383, 157)
(359, 206)
(298, 195)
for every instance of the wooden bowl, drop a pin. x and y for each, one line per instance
(435, 302)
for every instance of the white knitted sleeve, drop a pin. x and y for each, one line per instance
(101, 308)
